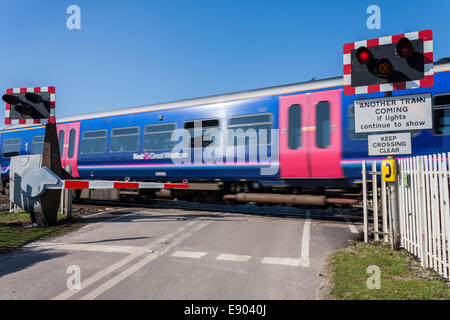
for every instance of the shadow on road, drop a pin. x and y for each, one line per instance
(115, 240)
(24, 258)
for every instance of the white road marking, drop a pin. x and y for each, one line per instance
(304, 260)
(106, 211)
(108, 220)
(101, 274)
(282, 261)
(115, 218)
(305, 242)
(188, 254)
(39, 244)
(233, 257)
(124, 274)
(352, 227)
(89, 247)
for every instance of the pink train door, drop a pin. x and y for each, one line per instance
(68, 137)
(293, 143)
(310, 135)
(326, 138)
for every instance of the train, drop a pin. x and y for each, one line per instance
(316, 150)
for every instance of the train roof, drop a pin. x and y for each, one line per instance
(276, 90)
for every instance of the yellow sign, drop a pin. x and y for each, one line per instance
(388, 170)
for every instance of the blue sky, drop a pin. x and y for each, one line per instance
(131, 53)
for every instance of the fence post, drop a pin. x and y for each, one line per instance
(447, 209)
(430, 215)
(442, 213)
(430, 243)
(435, 199)
(401, 203)
(364, 178)
(375, 201)
(417, 208)
(413, 208)
(422, 210)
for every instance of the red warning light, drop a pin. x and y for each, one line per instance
(404, 47)
(363, 55)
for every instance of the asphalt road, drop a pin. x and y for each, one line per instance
(161, 253)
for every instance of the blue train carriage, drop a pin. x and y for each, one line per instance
(317, 144)
(138, 144)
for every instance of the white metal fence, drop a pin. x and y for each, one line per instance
(423, 209)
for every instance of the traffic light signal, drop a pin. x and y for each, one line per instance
(30, 105)
(398, 62)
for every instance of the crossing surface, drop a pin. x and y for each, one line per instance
(171, 253)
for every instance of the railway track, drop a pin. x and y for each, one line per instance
(334, 214)
(88, 207)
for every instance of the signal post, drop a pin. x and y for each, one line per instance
(34, 106)
(387, 64)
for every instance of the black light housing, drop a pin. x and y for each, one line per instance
(24, 109)
(404, 47)
(33, 97)
(10, 99)
(384, 68)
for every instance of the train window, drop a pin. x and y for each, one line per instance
(158, 137)
(71, 143)
(295, 127)
(37, 145)
(323, 124)
(61, 142)
(200, 137)
(11, 147)
(125, 139)
(441, 115)
(258, 122)
(93, 142)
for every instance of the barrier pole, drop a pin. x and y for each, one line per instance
(395, 212)
(61, 203)
(384, 211)
(68, 196)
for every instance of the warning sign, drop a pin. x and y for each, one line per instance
(389, 144)
(399, 113)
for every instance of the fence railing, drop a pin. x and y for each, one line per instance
(423, 209)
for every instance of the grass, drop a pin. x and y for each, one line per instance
(402, 277)
(13, 234)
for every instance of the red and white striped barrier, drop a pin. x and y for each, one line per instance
(102, 184)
